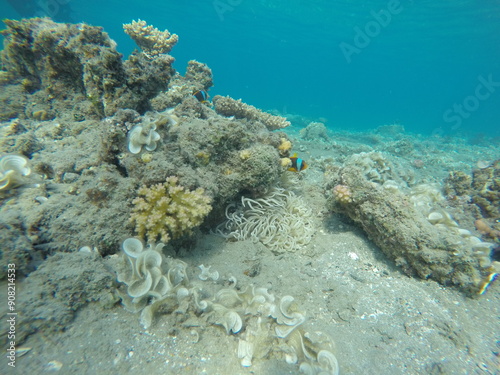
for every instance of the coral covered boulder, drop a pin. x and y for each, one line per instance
(410, 225)
(75, 62)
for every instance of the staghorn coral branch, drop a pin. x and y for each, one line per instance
(152, 41)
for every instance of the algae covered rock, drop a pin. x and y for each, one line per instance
(411, 229)
(486, 185)
(152, 41)
(62, 60)
(315, 131)
(54, 292)
(77, 62)
(458, 183)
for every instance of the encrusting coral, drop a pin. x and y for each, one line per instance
(227, 106)
(284, 147)
(152, 41)
(168, 209)
(342, 194)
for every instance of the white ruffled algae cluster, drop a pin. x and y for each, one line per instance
(143, 135)
(262, 322)
(12, 169)
(147, 285)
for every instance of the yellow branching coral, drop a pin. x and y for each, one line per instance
(284, 146)
(152, 41)
(285, 162)
(168, 209)
(245, 154)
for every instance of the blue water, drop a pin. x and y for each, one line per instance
(431, 65)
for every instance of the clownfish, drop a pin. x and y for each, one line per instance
(297, 164)
(202, 96)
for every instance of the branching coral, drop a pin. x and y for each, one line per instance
(280, 220)
(152, 41)
(168, 209)
(227, 106)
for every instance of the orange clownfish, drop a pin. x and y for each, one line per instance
(202, 96)
(297, 164)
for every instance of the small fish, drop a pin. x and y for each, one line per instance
(202, 96)
(486, 283)
(297, 164)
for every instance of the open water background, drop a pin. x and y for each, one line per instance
(356, 64)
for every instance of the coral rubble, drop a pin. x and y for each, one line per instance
(479, 193)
